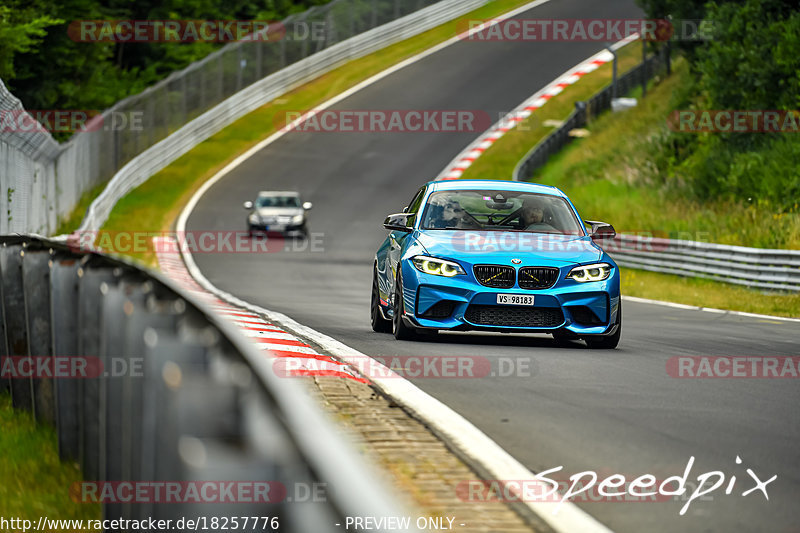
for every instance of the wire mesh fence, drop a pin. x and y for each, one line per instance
(169, 411)
(42, 181)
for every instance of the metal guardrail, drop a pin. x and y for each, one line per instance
(205, 406)
(584, 112)
(41, 181)
(752, 267)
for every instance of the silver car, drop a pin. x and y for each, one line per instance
(279, 212)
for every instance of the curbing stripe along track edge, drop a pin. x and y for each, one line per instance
(476, 447)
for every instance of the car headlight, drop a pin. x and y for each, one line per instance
(297, 219)
(254, 219)
(595, 272)
(437, 267)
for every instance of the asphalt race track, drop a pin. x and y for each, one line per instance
(606, 411)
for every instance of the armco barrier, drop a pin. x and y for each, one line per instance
(188, 399)
(584, 112)
(754, 267)
(42, 181)
(144, 165)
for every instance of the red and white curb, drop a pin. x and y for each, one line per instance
(293, 357)
(456, 168)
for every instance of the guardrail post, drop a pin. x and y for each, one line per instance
(92, 421)
(668, 49)
(114, 306)
(64, 313)
(644, 67)
(5, 383)
(36, 284)
(14, 315)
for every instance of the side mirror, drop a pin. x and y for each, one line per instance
(601, 230)
(307, 205)
(248, 205)
(398, 222)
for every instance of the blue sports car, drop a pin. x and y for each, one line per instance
(496, 256)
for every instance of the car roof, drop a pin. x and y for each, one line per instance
(279, 193)
(522, 186)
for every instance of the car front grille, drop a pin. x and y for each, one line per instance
(534, 278)
(496, 276)
(281, 220)
(514, 316)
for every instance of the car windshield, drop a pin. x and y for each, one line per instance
(497, 210)
(278, 201)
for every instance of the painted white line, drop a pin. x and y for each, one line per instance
(286, 348)
(452, 426)
(707, 309)
(466, 158)
(325, 105)
(266, 335)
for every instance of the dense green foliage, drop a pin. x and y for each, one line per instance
(751, 63)
(46, 69)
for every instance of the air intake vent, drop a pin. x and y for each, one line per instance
(441, 309)
(514, 316)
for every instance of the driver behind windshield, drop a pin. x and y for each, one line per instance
(532, 217)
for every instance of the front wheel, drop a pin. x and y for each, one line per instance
(610, 342)
(379, 324)
(399, 328)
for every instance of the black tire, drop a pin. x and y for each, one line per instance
(610, 342)
(399, 328)
(379, 324)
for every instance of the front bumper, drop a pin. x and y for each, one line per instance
(276, 228)
(579, 308)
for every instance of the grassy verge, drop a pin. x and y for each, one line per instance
(707, 293)
(609, 177)
(156, 204)
(605, 175)
(499, 161)
(34, 482)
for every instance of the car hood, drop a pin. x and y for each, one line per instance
(279, 211)
(502, 246)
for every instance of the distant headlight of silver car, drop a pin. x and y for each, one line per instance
(437, 267)
(298, 219)
(254, 219)
(594, 272)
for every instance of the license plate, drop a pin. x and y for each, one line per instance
(515, 299)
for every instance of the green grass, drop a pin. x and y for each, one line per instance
(499, 161)
(606, 176)
(34, 482)
(708, 293)
(154, 205)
